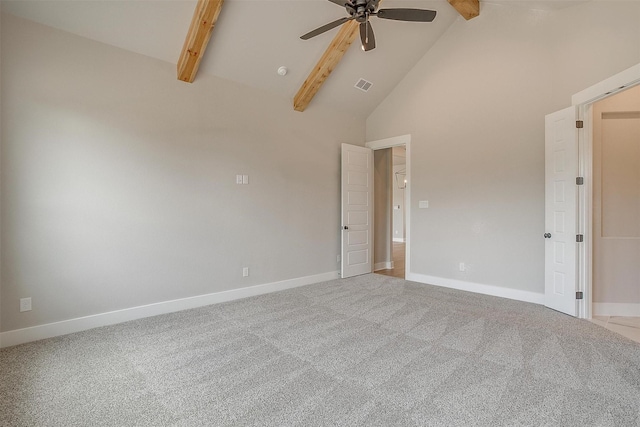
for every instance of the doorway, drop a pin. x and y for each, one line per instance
(616, 212)
(391, 235)
(581, 265)
(390, 171)
(584, 101)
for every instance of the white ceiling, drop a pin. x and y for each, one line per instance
(254, 37)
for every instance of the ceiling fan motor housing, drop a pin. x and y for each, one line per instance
(361, 9)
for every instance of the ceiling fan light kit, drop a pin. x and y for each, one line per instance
(362, 10)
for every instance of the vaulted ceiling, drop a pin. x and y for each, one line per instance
(252, 39)
(207, 12)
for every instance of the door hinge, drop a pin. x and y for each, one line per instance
(579, 124)
(579, 295)
(579, 238)
(580, 180)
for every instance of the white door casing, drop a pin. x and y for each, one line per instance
(357, 210)
(584, 100)
(401, 141)
(561, 170)
(616, 204)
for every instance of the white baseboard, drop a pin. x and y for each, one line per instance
(20, 336)
(478, 288)
(383, 266)
(398, 239)
(615, 309)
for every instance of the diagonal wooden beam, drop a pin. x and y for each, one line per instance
(331, 57)
(467, 8)
(202, 23)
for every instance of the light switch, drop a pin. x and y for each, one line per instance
(423, 204)
(245, 179)
(238, 179)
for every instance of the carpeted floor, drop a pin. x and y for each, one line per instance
(369, 351)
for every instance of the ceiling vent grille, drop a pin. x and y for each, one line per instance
(363, 85)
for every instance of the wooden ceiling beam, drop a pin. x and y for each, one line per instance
(202, 23)
(467, 8)
(331, 57)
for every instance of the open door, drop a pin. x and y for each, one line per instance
(357, 210)
(561, 170)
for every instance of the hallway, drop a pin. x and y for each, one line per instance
(398, 262)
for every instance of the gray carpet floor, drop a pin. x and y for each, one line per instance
(367, 351)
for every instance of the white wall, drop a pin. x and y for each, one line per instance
(475, 106)
(118, 181)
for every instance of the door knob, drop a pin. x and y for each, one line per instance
(547, 235)
(345, 227)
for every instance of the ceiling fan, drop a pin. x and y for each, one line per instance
(361, 10)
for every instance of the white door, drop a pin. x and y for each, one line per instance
(561, 170)
(357, 210)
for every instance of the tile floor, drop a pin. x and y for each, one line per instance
(627, 326)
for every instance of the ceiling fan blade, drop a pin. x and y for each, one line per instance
(367, 37)
(342, 3)
(325, 28)
(415, 15)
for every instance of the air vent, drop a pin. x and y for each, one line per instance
(363, 85)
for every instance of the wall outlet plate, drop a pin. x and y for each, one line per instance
(25, 304)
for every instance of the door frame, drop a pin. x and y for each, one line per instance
(397, 141)
(584, 102)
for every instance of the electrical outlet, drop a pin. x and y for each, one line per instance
(245, 179)
(462, 267)
(25, 304)
(245, 271)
